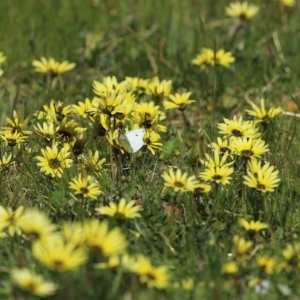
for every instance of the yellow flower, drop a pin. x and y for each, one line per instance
(73, 233)
(32, 283)
(238, 128)
(154, 277)
(261, 114)
(11, 139)
(17, 126)
(216, 162)
(122, 210)
(222, 146)
(2, 58)
(265, 179)
(114, 104)
(224, 58)
(241, 247)
(11, 219)
(53, 162)
(291, 257)
(217, 174)
(109, 84)
(59, 256)
(147, 115)
(5, 160)
(249, 147)
(289, 3)
(151, 140)
(179, 181)
(179, 101)
(159, 89)
(253, 227)
(69, 131)
(104, 241)
(202, 188)
(138, 85)
(85, 187)
(37, 227)
(82, 108)
(52, 66)
(209, 57)
(266, 264)
(47, 131)
(242, 10)
(230, 268)
(205, 58)
(92, 160)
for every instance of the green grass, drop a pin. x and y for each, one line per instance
(146, 39)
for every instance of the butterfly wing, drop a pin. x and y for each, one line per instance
(135, 139)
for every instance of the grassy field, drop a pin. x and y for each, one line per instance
(203, 203)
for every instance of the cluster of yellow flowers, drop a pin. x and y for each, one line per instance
(242, 140)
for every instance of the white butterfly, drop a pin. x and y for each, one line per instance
(132, 141)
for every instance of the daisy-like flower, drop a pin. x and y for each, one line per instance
(17, 126)
(202, 188)
(217, 174)
(261, 114)
(108, 85)
(114, 104)
(154, 277)
(230, 267)
(55, 112)
(249, 147)
(242, 10)
(290, 3)
(147, 115)
(32, 283)
(151, 140)
(223, 58)
(122, 210)
(102, 240)
(265, 179)
(59, 256)
(179, 181)
(209, 57)
(5, 160)
(291, 257)
(82, 108)
(266, 264)
(159, 89)
(92, 160)
(252, 227)
(52, 66)
(215, 161)
(2, 58)
(47, 131)
(138, 85)
(11, 220)
(241, 247)
(85, 187)
(73, 233)
(54, 161)
(222, 146)
(11, 139)
(37, 227)
(178, 101)
(205, 58)
(186, 284)
(238, 128)
(69, 131)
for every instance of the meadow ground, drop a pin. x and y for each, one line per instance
(200, 202)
